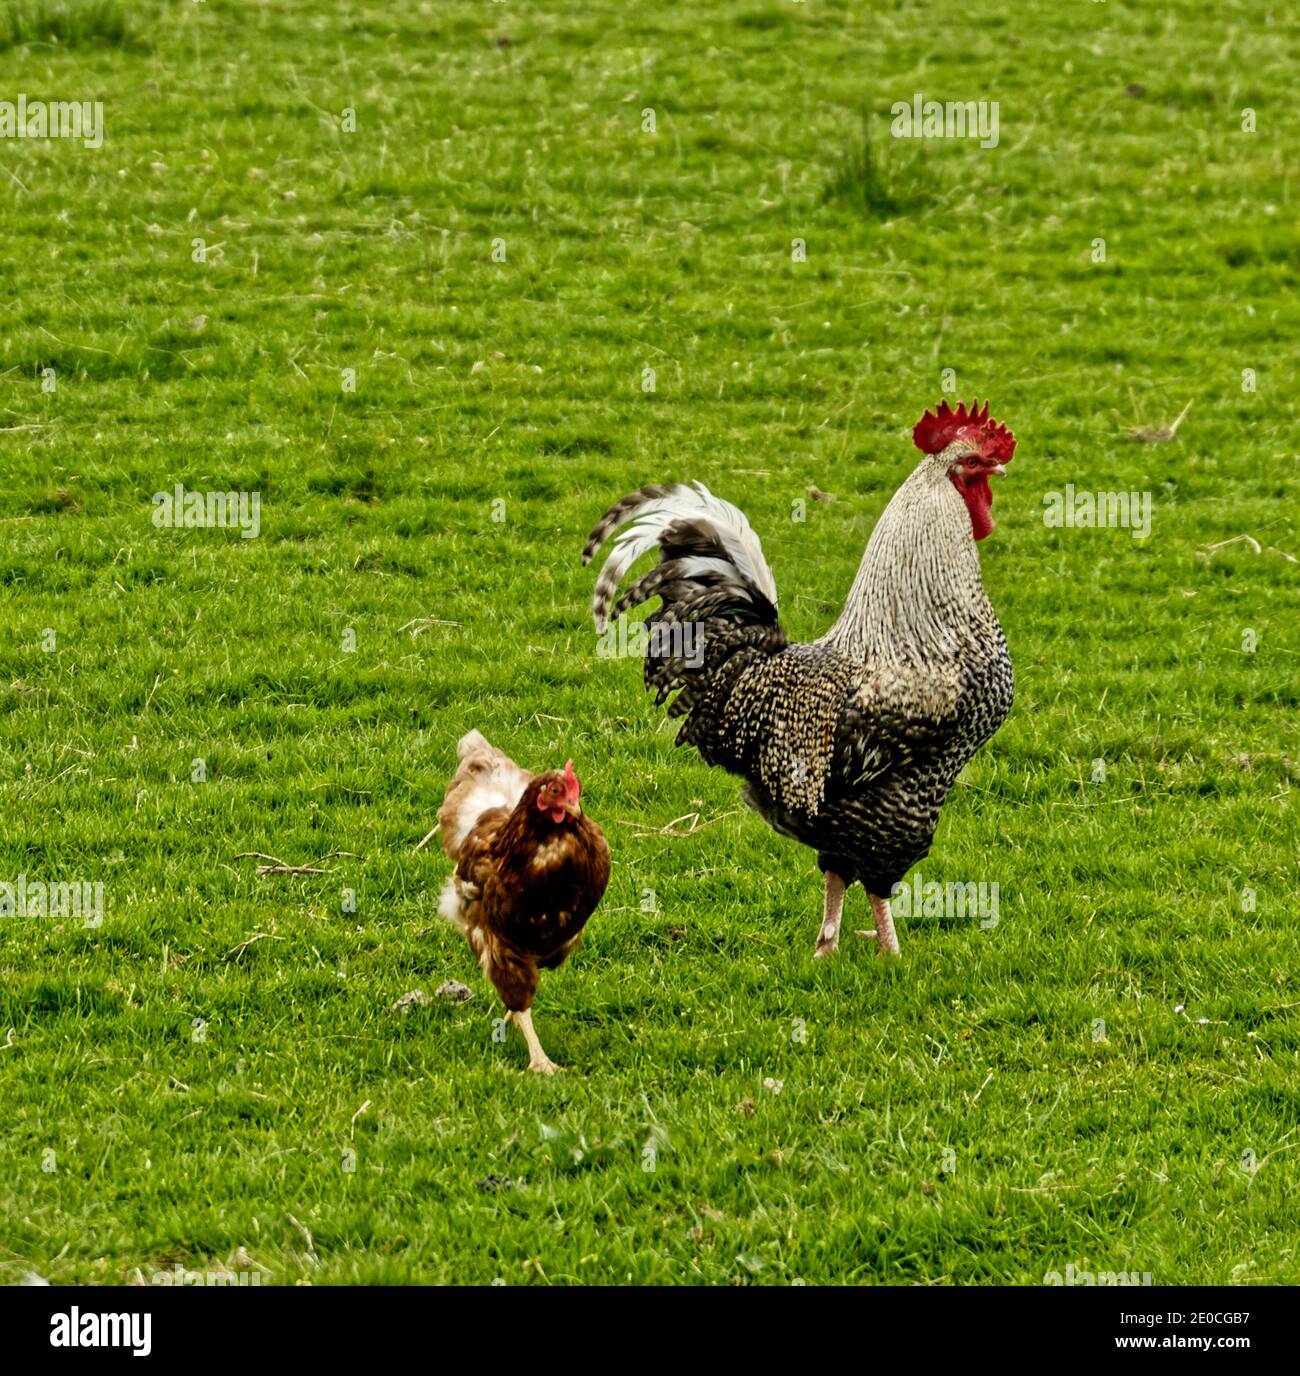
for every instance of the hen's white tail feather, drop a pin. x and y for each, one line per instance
(451, 905)
(487, 778)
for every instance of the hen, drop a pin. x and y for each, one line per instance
(849, 744)
(530, 870)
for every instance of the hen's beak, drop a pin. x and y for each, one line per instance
(573, 809)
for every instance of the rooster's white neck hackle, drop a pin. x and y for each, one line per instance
(917, 609)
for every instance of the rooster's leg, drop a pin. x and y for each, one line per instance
(538, 1060)
(884, 932)
(828, 939)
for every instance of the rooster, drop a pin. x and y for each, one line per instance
(530, 870)
(849, 744)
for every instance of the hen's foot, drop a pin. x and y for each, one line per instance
(538, 1060)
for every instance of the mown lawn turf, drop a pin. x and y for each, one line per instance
(1106, 1077)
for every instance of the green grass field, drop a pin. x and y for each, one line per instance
(1109, 1077)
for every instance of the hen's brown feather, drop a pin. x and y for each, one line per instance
(524, 885)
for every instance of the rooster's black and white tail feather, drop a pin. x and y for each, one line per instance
(706, 546)
(718, 612)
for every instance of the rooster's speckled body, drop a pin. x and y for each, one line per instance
(849, 744)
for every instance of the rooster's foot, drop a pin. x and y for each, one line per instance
(545, 1066)
(884, 932)
(828, 939)
(827, 944)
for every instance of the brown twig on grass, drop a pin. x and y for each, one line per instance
(422, 623)
(238, 951)
(670, 828)
(278, 866)
(1208, 551)
(307, 1238)
(1160, 434)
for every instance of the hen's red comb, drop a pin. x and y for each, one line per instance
(934, 433)
(571, 785)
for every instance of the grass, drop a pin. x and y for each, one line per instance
(862, 180)
(217, 1068)
(66, 23)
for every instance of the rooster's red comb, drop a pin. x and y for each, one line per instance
(934, 433)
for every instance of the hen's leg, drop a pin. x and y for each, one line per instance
(884, 932)
(538, 1060)
(516, 981)
(828, 939)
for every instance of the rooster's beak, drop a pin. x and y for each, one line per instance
(999, 469)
